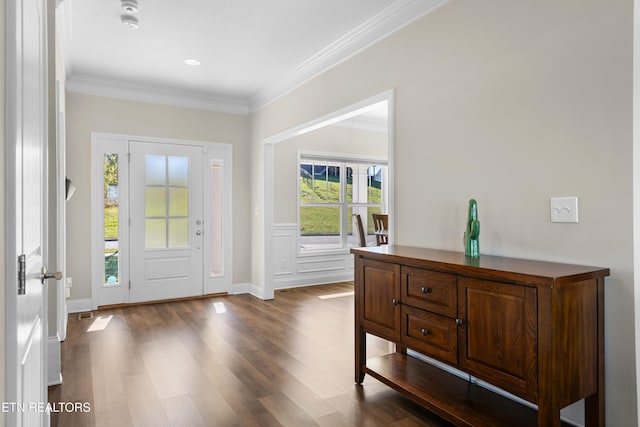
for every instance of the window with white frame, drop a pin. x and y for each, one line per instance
(331, 190)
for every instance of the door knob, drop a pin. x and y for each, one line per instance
(57, 275)
(198, 232)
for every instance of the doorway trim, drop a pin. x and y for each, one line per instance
(116, 143)
(306, 127)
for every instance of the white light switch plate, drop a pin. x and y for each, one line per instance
(564, 209)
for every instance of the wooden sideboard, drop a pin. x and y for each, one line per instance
(534, 329)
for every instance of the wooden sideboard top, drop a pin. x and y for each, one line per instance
(487, 266)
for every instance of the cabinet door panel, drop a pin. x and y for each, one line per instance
(429, 290)
(380, 294)
(498, 340)
(430, 334)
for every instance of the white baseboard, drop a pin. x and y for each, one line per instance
(78, 305)
(258, 292)
(249, 288)
(54, 362)
(240, 288)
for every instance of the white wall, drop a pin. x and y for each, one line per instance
(86, 114)
(331, 139)
(510, 103)
(3, 338)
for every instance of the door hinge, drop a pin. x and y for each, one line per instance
(129, 284)
(22, 274)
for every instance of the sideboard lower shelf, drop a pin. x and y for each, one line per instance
(450, 397)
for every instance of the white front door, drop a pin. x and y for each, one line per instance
(166, 221)
(26, 133)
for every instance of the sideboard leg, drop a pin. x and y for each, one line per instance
(548, 417)
(594, 405)
(594, 411)
(361, 354)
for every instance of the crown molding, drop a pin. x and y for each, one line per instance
(91, 85)
(391, 19)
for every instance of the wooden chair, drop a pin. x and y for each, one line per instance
(381, 228)
(360, 228)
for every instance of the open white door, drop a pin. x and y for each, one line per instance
(26, 132)
(166, 221)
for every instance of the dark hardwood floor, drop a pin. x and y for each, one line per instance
(285, 362)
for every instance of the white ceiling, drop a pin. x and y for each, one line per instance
(251, 51)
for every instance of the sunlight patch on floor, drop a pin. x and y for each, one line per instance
(219, 307)
(100, 323)
(340, 295)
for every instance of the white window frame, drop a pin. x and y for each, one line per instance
(343, 160)
(102, 294)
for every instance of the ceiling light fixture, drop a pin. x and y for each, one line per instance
(129, 22)
(129, 6)
(192, 62)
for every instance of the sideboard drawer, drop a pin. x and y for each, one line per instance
(429, 290)
(429, 333)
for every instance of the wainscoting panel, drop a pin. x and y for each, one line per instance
(284, 243)
(293, 270)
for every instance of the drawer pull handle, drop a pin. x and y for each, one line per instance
(459, 322)
(425, 332)
(425, 290)
(394, 301)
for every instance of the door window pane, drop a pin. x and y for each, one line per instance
(155, 233)
(178, 202)
(155, 169)
(155, 202)
(179, 171)
(178, 232)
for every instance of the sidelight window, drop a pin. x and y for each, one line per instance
(111, 206)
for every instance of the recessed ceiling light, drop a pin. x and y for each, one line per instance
(129, 6)
(129, 22)
(192, 62)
